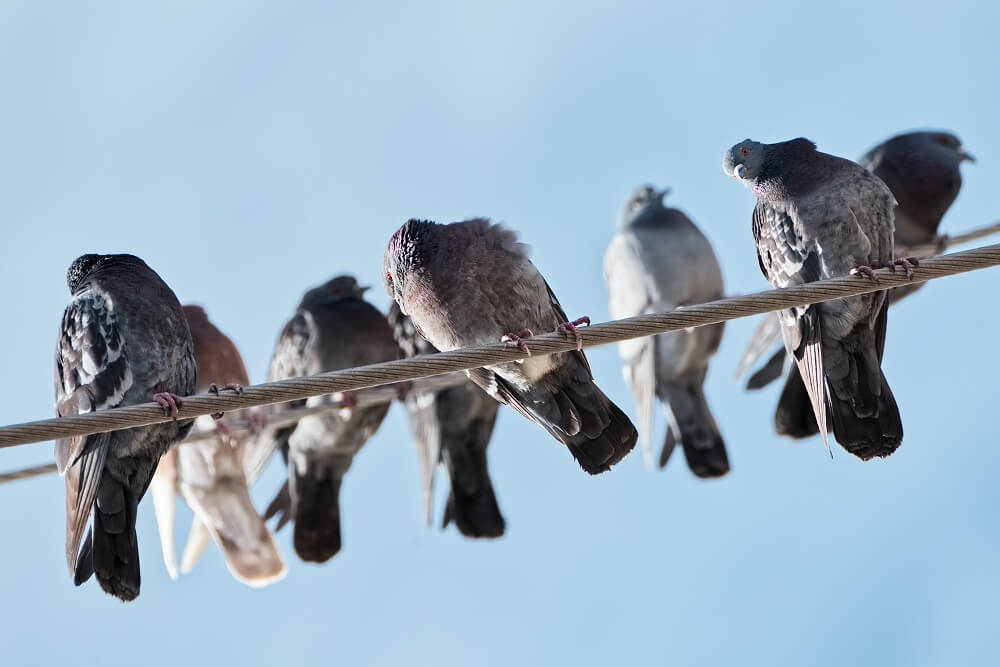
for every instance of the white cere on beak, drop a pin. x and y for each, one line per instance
(739, 170)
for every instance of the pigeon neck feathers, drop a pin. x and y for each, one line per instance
(793, 169)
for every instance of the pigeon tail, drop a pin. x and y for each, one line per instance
(703, 445)
(794, 415)
(598, 453)
(316, 507)
(111, 551)
(472, 503)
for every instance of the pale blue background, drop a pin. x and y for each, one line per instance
(250, 150)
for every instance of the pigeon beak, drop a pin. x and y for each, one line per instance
(966, 155)
(739, 170)
(662, 193)
(364, 288)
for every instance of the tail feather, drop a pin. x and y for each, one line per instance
(596, 454)
(316, 506)
(472, 503)
(226, 512)
(875, 434)
(794, 416)
(111, 545)
(703, 445)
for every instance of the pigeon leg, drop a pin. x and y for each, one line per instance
(570, 328)
(865, 271)
(215, 389)
(170, 402)
(403, 389)
(908, 264)
(518, 339)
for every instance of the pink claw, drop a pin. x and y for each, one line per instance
(348, 399)
(403, 389)
(908, 264)
(169, 402)
(570, 328)
(865, 271)
(215, 389)
(518, 339)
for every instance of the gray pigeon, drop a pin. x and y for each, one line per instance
(123, 340)
(819, 216)
(657, 261)
(453, 425)
(211, 475)
(922, 171)
(333, 328)
(471, 283)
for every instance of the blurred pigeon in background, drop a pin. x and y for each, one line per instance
(471, 283)
(210, 475)
(333, 328)
(657, 261)
(452, 426)
(819, 216)
(123, 340)
(922, 171)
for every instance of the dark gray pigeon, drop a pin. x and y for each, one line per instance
(123, 340)
(452, 426)
(333, 328)
(922, 171)
(471, 283)
(657, 261)
(819, 216)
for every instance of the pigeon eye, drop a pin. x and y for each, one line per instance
(744, 151)
(388, 277)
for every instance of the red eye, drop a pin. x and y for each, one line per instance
(744, 151)
(388, 277)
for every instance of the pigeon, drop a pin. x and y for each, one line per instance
(210, 475)
(123, 340)
(922, 171)
(471, 283)
(657, 261)
(819, 216)
(452, 426)
(333, 328)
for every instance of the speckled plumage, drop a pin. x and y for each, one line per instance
(820, 216)
(123, 338)
(469, 283)
(333, 328)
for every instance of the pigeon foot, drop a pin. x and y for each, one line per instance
(570, 328)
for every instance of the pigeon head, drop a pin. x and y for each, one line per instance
(404, 253)
(195, 313)
(85, 266)
(745, 161)
(644, 201)
(333, 290)
(80, 270)
(943, 145)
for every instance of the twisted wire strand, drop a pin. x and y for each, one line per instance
(423, 366)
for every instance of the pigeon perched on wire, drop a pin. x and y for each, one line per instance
(819, 216)
(333, 328)
(210, 475)
(123, 340)
(452, 426)
(657, 261)
(922, 171)
(471, 283)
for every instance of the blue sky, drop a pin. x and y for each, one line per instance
(250, 150)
